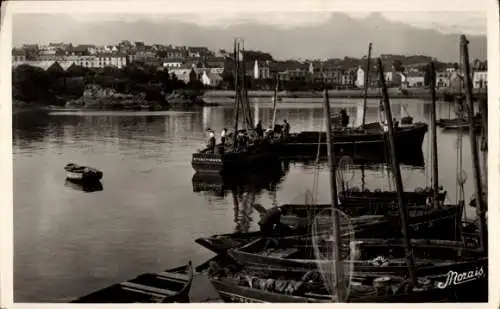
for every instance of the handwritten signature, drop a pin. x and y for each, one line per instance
(454, 278)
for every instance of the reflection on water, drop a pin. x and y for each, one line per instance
(67, 243)
(87, 187)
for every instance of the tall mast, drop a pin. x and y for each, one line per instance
(397, 175)
(236, 88)
(367, 80)
(481, 210)
(333, 191)
(275, 98)
(483, 109)
(435, 178)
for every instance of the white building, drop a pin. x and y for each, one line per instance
(480, 79)
(99, 61)
(443, 79)
(415, 80)
(210, 79)
(172, 64)
(261, 70)
(360, 78)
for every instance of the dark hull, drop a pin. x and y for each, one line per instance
(442, 224)
(166, 287)
(298, 219)
(411, 198)
(424, 222)
(235, 162)
(372, 143)
(473, 291)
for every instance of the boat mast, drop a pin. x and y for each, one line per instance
(435, 179)
(367, 79)
(333, 191)
(275, 97)
(397, 175)
(236, 88)
(481, 210)
(483, 110)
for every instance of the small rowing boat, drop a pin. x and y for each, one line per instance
(170, 286)
(77, 172)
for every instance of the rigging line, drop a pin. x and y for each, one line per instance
(316, 169)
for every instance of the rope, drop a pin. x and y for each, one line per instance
(316, 170)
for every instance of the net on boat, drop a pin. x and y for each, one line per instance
(345, 173)
(336, 272)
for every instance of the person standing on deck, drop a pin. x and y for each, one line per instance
(344, 118)
(223, 136)
(259, 130)
(286, 129)
(211, 140)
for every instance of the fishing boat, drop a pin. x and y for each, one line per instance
(243, 150)
(270, 286)
(220, 244)
(364, 139)
(435, 220)
(419, 196)
(78, 173)
(170, 286)
(357, 142)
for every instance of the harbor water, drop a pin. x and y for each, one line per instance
(145, 218)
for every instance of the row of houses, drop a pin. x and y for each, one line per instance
(135, 50)
(208, 77)
(257, 65)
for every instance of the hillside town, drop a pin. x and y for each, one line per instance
(189, 63)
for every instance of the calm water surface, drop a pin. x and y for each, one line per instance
(68, 243)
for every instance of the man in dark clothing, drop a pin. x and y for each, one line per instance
(286, 129)
(259, 130)
(344, 118)
(223, 136)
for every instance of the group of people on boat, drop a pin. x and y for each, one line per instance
(243, 138)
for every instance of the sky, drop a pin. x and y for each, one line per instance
(448, 22)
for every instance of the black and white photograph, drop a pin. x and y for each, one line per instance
(232, 155)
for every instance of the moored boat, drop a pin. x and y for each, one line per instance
(164, 287)
(358, 142)
(225, 159)
(80, 173)
(271, 286)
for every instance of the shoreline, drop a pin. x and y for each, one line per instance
(394, 93)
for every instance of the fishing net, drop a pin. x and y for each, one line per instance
(334, 258)
(345, 173)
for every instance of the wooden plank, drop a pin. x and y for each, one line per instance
(148, 288)
(282, 253)
(174, 276)
(143, 292)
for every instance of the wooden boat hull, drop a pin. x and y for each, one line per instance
(165, 287)
(233, 162)
(299, 222)
(79, 173)
(474, 291)
(424, 221)
(408, 139)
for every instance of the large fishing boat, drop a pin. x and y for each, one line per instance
(242, 150)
